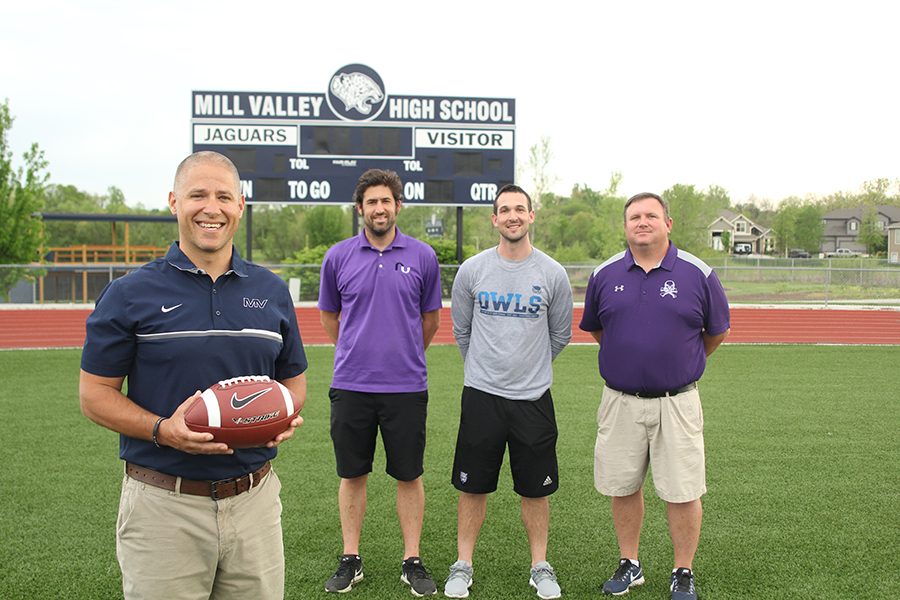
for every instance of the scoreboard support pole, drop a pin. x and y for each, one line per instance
(459, 235)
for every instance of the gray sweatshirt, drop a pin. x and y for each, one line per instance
(510, 320)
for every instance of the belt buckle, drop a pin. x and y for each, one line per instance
(214, 488)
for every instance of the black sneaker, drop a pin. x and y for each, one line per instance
(417, 577)
(683, 587)
(349, 571)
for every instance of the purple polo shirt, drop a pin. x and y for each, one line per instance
(381, 296)
(653, 323)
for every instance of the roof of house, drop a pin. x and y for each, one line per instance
(730, 217)
(843, 214)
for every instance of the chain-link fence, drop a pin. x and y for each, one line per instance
(746, 281)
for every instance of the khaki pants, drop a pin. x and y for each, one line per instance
(175, 546)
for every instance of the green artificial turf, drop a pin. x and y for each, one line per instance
(803, 470)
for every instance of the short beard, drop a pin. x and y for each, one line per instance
(379, 231)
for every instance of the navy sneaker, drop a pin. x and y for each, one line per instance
(626, 576)
(683, 587)
(349, 571)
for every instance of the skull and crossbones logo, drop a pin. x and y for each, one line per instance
(668, 289)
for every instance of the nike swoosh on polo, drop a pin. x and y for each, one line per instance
(239, 403)
(166, 309)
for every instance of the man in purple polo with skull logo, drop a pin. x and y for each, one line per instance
(657, 313)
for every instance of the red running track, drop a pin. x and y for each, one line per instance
(64, 327)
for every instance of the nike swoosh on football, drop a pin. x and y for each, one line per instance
(239, 403)
(165, 308)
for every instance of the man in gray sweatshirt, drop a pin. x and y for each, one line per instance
(512, 315)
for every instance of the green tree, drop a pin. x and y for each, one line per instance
(21, 194)
(326, 225)
(278, 231)
(809, 227)
(869, 234)
(446, 255)
(726, 241)
(690, 217)
(310, 260)
(798, 224)
(583, 227)
(716, 199)
(783, 225)
(69, 199)
(538, 167)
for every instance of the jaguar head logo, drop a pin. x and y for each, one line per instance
(357, 91)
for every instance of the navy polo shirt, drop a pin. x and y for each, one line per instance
(653, 323)
(170, 330)
(381, 295)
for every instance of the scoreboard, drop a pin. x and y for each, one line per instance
(311, 148)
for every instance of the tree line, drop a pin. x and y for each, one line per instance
(583, 227)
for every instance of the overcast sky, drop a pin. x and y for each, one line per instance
(766, 99)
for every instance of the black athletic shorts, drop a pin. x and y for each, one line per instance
(487, 424)
(356, 418)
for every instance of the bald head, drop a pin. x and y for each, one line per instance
(205, 157)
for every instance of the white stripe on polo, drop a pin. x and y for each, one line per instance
(172, 335)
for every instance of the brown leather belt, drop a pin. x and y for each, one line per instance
(217, 490)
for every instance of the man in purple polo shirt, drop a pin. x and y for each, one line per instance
(380, 301)
(657, 313)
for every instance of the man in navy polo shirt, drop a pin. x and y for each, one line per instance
(657, 313)
(197, 519)
(380, 301)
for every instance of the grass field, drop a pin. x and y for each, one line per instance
(803, 470)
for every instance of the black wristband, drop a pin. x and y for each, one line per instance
(156, 431)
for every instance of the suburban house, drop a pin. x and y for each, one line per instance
(893, 245)
(842, 226)
(746, 236)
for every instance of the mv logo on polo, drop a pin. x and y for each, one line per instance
(255, 302)
(401, 267)
(668, 289)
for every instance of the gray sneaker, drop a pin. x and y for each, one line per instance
(543, 579)
(459, 581)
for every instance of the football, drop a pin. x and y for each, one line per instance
(243, 412)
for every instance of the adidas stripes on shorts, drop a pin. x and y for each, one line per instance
(487, 425)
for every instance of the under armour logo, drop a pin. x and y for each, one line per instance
(619, 288)
(668, 289)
